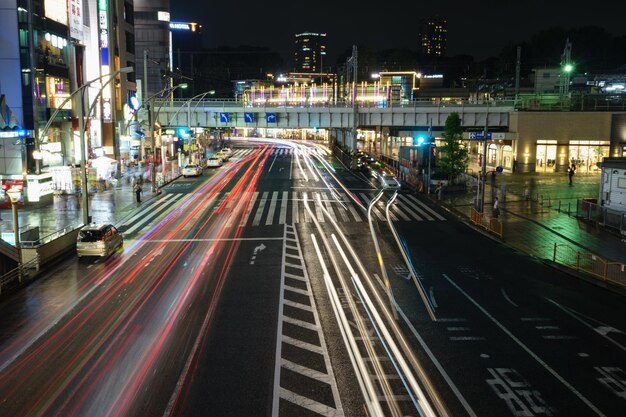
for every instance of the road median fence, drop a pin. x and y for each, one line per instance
(490, 224)
(590, 263)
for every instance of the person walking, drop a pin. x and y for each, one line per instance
(137, 190)
(496, 209)
(571, 171)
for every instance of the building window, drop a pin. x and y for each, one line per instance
(129, 13)
(130, 43)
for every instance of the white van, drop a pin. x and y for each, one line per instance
(98, 240)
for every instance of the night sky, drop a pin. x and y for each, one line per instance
(475, 27)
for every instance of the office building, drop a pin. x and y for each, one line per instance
(310, 51)
(186, 45)
(49, 49)
(433, 36)
(153, 42)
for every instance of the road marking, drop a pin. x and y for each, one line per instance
(506, 297)
(352, 210)
(244, 221)
(283, 208)
(613, 379)
(519, 395)
(527, 349)
(416, 208)
(430, 210)
(272, 209)
(259, 210)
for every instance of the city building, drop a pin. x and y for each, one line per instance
(153, 42)
(186, 44)
(51, 49)
(433, 36)
(310, 49)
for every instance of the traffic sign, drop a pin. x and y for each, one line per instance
(224, 117)
(248, 117)
(270, 117)
(499, 170)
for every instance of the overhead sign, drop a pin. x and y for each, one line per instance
(225, 117)
(270, 117)
(248, 117)
(490, 135)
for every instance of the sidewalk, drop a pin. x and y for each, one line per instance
(105, 206)
(534, 225)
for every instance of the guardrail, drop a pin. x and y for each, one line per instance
(590, 263)
(490, 224)
(18, 274)
(49, 238)
(604, 216)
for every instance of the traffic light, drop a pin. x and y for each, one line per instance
(420, 140)
(184, 133)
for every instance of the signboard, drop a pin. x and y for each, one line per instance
(270, 117)
(248, 117)
(225, 117)
(76, 19)
(490, 135)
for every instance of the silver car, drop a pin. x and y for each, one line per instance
(98, 240)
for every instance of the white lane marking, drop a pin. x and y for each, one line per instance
(465, 338)
(329, 208)
(270, 214)
(416, 208)
(395, 208)
(295, 218)
(374, 209)
(153, 215)
(238, 239)
(433, 212)
(259, 211)
(353, 211)
(527, 349)
(244, 221)
(602, 330)
(406, 206)
(431, 291)
(149, 208)
(283, 208)
(307, 403)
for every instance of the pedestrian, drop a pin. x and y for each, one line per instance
(137, 190)
(496, 209)
(570, 172)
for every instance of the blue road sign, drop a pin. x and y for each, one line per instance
(270, 117)
(224, 117)
(499, 170)
(479, 135)
(248, 117)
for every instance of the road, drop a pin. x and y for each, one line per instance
(270, 287)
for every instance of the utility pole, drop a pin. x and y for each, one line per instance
(484, 165)
(566, 69)
(142, 149)
(352, 65)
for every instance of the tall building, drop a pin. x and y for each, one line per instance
(153, 44)
(310, 49)
(50, 49)
(186, 45)
(433, 36)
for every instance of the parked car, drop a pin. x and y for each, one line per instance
(214, 162)
(192, 170)
(98, 240)
(221, 154)
(227, 151)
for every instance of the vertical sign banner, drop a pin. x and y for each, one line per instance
(103, 24)
(76, 19)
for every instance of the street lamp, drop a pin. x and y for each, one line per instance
(81, 124)
(14, 196)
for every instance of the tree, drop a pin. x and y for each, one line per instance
(453, 157)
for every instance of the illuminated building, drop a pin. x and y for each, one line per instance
(50, 49)
(186, 42)
(433, 36)
(310, 49)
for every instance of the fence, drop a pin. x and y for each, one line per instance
(590, 263)
(604, 216)
(491, 224)
(16, 275)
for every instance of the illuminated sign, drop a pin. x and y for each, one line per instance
(56, 10)
(163, 16)
(106, 110)
(192, 26)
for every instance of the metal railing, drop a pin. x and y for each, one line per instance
(18, 274)
(590, 211)
(49, 238)
(590, 263)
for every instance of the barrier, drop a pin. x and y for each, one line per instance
(590, 263)
(492, 225)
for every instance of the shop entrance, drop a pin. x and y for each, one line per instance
(587, 154)
(546, 156)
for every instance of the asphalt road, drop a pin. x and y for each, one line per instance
(260, 288)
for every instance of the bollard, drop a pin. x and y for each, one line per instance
(559, 209)
(568, 207)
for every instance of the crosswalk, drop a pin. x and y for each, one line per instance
(278, 151)
(267, 208)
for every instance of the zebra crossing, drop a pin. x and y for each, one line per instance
(267, 208)
(242, 152)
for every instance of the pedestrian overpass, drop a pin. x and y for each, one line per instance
(226, 114)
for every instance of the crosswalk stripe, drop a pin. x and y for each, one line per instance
(283, 208)
(407, 208)
(318, 211)
(148, 208)
(294, 213)
(433, 212)
(353, 211)
(416, 208)
(374, 209)
(249, 209)
(343, 211)
(154, 213)
(395, 208)
(329, 208)
(270, 214)
(259, 210)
